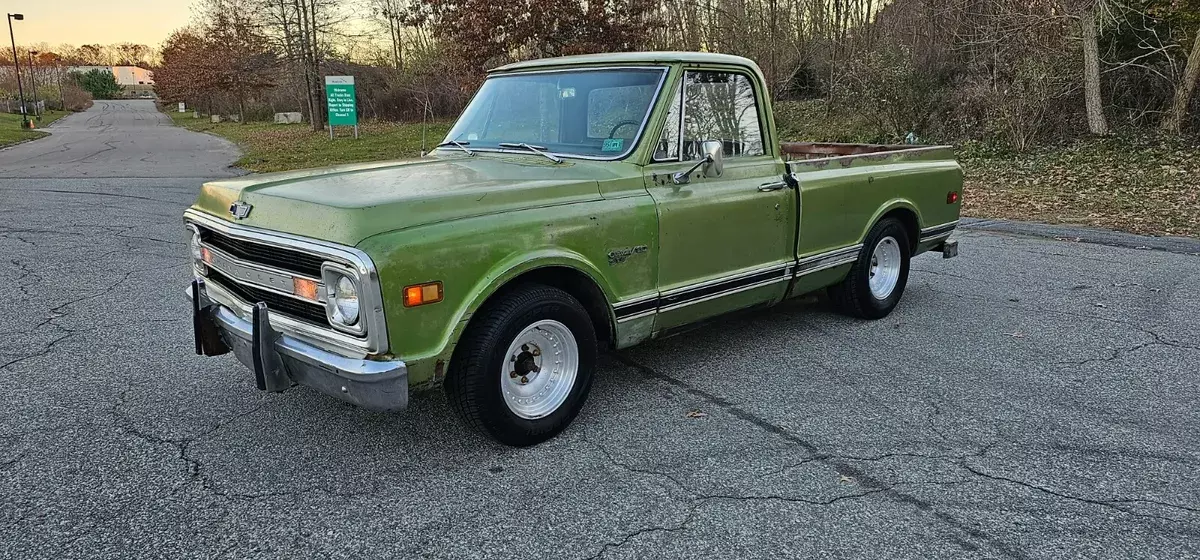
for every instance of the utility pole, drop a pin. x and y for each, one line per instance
(62, 97)
(33, 83)
(17, 65)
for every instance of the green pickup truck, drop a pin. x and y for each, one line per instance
(579, 204)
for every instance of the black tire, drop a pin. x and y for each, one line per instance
(853, 295)
(473, 383)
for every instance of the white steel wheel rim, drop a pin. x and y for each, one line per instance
(885, 268)
(539, 369)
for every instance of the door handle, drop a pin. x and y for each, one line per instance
(768, 187)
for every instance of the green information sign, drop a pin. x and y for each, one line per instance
(342, 103)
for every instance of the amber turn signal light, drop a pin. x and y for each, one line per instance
(422, 294)
(305, 288)
(206, 255)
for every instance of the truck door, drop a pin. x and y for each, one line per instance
(725, 242)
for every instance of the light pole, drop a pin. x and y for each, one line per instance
(33, 83)
(17, 65)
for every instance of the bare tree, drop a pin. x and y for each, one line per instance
(1094, 103)
(1184, 91)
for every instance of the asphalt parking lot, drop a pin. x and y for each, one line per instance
(1033, 398)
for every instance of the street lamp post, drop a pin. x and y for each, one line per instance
(17, 65)
(33, 83)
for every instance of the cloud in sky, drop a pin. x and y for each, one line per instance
(99, 21)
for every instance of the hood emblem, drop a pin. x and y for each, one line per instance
(240, 210)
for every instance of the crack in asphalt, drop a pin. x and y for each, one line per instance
(1109, 503)
(697, 498)
(6, 464)
(55, 313)
(691, 515)
(843, 468)
(1116, 353)
(1087, 316)
(841, 465)
(114, 195)
(193, 467)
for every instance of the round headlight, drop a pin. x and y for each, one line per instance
(346, 301)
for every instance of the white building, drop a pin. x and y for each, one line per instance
(125, 75)
(134, 81)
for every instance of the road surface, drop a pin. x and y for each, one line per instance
(1032, 398)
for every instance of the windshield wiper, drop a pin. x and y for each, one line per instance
(460, 145)
(539, 150)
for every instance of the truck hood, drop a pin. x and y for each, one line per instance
(349, 203)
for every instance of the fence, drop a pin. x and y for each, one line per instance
(14, 106)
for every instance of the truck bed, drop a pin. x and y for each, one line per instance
(820, 150)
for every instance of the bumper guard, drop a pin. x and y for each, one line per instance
(280, 361)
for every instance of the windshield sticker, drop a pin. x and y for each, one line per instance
(613, 144)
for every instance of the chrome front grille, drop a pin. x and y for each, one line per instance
(303, 310)
(246, 265)
(278, 257)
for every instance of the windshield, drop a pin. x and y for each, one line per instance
(589, 113)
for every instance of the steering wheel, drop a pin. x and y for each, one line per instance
(613, 133)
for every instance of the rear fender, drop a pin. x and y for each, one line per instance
(887, 207)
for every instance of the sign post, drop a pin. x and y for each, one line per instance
(341, 103)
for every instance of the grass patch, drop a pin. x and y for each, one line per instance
(1140, 184)
(276, 147)
(12, 133)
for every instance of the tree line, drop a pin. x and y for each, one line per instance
(1012, 72)
(45, 76)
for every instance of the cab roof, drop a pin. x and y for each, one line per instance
(630, 58)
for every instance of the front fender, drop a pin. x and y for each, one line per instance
(507, 270)
(476, 257)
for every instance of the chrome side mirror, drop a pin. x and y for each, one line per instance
(714, 153)
(713, 163)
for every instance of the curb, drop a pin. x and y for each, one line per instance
(1097, 236)
(26, 140)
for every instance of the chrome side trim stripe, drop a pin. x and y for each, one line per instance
(703, 291)
(939, 227)
(712, 289)
(720, 294)
(828, 259)
(937, 232)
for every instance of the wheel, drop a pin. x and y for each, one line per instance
(523, 368)
(876, 281)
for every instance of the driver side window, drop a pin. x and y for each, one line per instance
(711, 106)
(720, 106)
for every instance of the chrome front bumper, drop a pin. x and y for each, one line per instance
(280, 361)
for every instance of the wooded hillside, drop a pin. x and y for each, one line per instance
(1008, 73)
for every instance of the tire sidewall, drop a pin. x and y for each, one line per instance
(874, 306)
(502, 421)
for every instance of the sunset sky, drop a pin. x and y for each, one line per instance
(81, 22)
